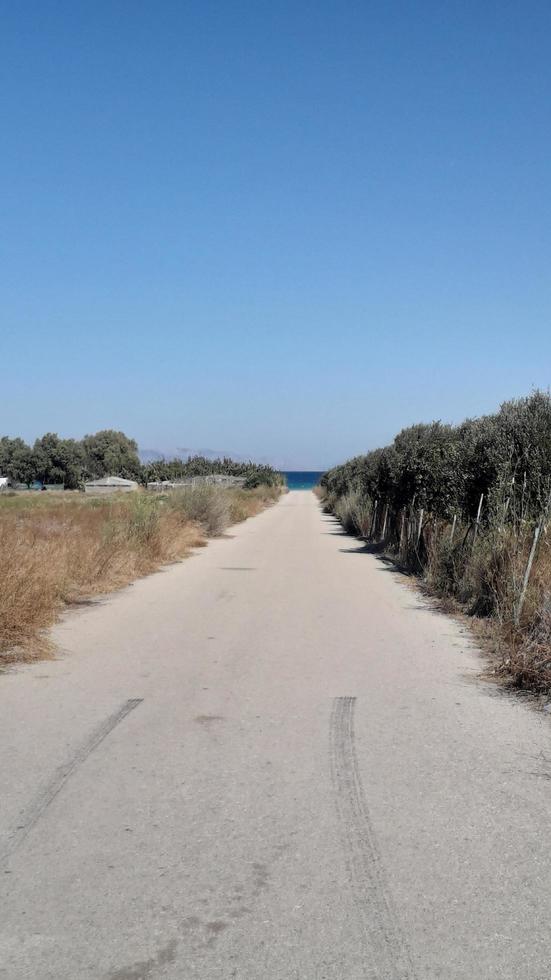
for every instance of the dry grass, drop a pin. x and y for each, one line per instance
(248, 503)
(214, 509)
(486, 581)
(354, 513)
(56, 550)
(482, 581)
(526, 658)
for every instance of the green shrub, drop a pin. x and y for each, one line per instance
(444, 469)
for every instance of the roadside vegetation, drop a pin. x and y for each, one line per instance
(60, 549)
(467, 508)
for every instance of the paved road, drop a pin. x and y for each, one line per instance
(271, 762)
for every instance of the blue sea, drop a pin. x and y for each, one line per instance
(302, 479)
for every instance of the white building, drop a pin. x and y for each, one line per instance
(110, 484)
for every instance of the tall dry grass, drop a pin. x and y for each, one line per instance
(355, 513)
(248, 503)
(482, 576)
(207, 506)
(214, 509)
(57, 550)
(486, 579)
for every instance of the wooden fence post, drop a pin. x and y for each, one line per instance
(402, 530)
(384, 522)
(477, 522)
(522, 597)
(452, 532)
(506, 509)
(374, 519)
(420, 527)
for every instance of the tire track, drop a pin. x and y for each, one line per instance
(387, 954)
(41, 803)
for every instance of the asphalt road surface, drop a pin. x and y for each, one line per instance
(273, 761)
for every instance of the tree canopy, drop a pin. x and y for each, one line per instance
(446, 468)
(111, 453)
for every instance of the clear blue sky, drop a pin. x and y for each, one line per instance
(285, 228)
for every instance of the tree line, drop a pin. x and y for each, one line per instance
(503, 458)
(71, 462)
(256, 474)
